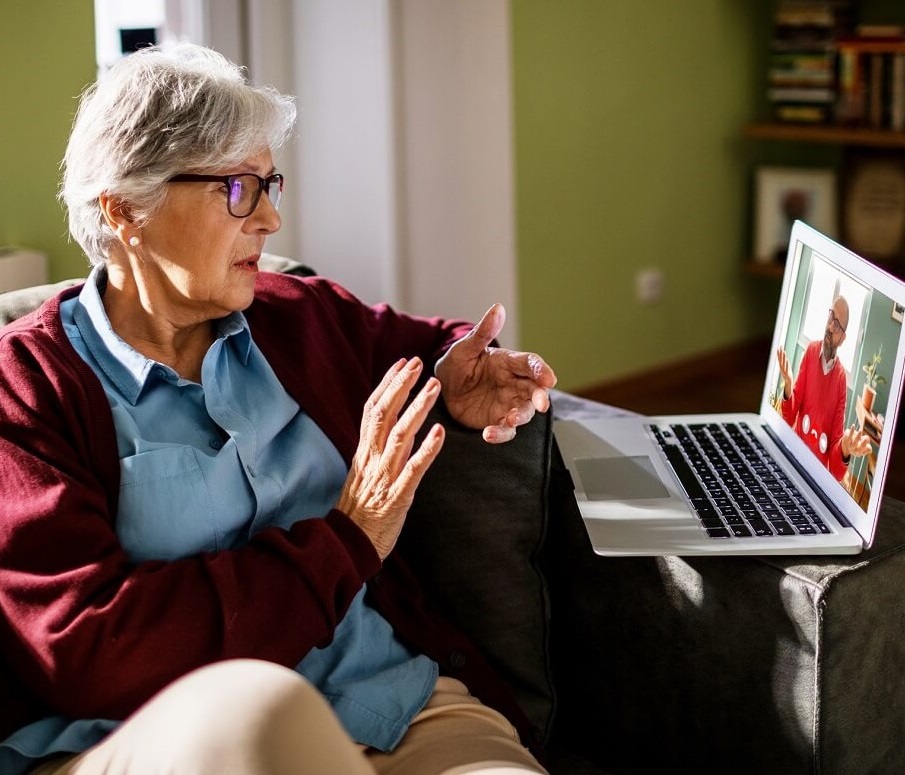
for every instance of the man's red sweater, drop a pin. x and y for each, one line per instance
(822, 398)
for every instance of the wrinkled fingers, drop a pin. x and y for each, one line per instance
(387, 400)
(398, 451)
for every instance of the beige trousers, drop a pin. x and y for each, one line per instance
(249, 717)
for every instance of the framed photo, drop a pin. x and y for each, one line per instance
(787, 194)
(873, 206)
(898, 312)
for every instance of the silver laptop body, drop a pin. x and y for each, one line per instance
(634, 502)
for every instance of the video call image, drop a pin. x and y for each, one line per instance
(831, 373)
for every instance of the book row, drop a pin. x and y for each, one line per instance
(856, 82)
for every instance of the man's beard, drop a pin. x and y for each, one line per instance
(829, 352)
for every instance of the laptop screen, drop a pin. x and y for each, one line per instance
(835, 372)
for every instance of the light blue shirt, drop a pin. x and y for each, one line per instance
(205, 466)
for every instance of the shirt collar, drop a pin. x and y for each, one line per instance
(123, 365)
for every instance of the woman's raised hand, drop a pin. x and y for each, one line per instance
(491, 388)
(385, 471)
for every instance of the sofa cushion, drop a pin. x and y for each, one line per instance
(474, 534)
(15, 304)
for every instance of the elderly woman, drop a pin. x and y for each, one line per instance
(204, 467)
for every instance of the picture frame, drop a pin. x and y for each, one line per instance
(873, 205)
(786, 194)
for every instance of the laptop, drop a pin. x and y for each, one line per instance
(761, 482)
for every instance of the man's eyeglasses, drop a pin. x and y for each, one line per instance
(834, 322)
(243, 191)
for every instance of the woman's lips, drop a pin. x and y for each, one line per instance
(248, 265)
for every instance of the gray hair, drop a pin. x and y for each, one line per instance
(154, 114)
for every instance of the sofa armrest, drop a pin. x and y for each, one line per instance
(733, 664)
(725, 664)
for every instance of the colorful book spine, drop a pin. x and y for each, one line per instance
(802, 70)
(871, 82)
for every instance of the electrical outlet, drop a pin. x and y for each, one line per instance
(649, 285)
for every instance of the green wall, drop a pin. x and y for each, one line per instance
(628, 156)
(48, 58)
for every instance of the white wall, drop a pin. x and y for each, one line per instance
(457, 225)
(346, 166)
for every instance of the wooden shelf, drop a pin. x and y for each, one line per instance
(824, 133)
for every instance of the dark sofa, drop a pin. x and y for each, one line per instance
(636, 665)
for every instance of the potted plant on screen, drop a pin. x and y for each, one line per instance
(873, 379)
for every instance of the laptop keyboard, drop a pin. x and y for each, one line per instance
(734, 484)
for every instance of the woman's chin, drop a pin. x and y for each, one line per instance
(241, 293)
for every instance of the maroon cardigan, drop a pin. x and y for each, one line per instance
(86, 633)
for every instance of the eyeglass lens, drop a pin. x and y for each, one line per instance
(245, 191)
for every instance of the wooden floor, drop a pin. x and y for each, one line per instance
(730, 380)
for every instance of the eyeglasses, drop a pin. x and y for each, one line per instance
(834, 322)
(243, 191)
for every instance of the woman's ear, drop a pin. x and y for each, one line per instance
(118, 216)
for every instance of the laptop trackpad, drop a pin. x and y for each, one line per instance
(619, 478)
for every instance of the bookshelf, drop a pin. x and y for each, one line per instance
(836, 83)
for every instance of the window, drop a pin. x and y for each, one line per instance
(826, 285)
(123, 25)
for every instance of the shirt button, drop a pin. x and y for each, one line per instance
(456, 659)
(216, 444)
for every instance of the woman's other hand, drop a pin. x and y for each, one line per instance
(385, 472)
(491, 388)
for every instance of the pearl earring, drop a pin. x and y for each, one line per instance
(134, 241)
